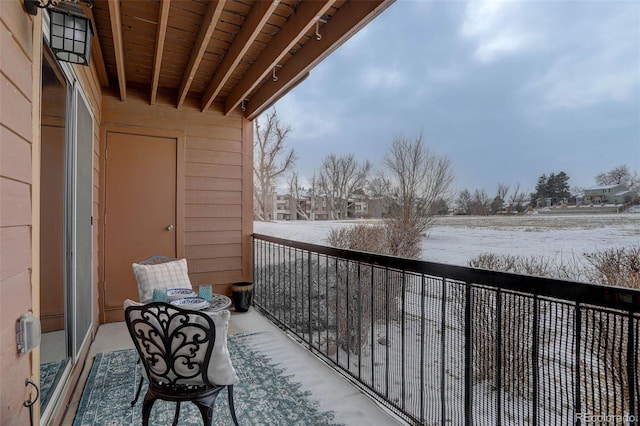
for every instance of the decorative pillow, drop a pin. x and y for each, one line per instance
(172, 274)
(221, 371)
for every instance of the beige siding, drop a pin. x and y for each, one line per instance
(216, 227)
(16, 135)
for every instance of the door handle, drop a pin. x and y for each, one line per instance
(170, 228)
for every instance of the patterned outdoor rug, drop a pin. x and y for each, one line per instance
(49, 375)
(264, 396)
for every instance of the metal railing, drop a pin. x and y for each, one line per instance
(445, 344)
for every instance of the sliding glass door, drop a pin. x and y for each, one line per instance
(66, 202)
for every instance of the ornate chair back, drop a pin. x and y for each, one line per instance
(174, 344)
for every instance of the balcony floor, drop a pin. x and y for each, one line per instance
(333, 392)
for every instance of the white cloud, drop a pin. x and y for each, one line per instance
(573, 83)
(601, 66)
(310, 116)
(498, 28)
(383, 78)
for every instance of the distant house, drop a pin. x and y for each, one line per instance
(607, 194)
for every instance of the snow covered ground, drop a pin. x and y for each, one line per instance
(458, 239)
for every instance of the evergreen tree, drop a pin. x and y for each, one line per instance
(555, 187)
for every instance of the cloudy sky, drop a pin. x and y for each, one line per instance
(508, 90)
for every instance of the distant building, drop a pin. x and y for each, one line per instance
(607, 194)
(310, 206)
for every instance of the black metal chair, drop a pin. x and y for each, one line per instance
(175, 347)
(151, 260)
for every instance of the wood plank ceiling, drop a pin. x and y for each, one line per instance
(223, 54)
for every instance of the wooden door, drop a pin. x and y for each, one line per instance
(140, 211)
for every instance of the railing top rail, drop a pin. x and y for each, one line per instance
(584, 293)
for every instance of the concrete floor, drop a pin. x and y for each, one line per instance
(330, 389)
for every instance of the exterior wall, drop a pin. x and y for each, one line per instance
(19, 69)
(217, 193)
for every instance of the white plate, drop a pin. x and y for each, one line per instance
(179, 293)
(195, 303)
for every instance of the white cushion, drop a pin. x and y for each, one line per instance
(172, 274)
(221, 371)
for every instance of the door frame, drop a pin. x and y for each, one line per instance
(180, 138)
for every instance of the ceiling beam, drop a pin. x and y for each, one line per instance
(116, 30)
(295, 27)
(254, 22)
(96, 49)
(209, 22)
(349, 19)
(163, 18)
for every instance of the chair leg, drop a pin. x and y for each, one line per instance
(137, 391)
(147, 404)
(206, 409)
(232, 406)
(177, 415)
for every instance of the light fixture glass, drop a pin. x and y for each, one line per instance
(71, 33)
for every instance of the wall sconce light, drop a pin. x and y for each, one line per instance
(70, 30)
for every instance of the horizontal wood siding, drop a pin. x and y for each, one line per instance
(214, 182)
(16, 136)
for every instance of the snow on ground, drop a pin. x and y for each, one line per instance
(458, 239)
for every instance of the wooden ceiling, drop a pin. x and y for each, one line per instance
(223, 54)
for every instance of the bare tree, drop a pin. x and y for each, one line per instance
(516, 199)
(271, 161)
(463, 203)
(417, 178)
(297, 196)
(339, 178)
(620, 175)
(480, 204)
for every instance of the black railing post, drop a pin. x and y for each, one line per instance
(468, 357)
(309, 299)
(632, 348)
(387, 377)
(373, 322)
(576, 392)
(403, 340)
(422, 344)
(443, 341)
(534, 359)
(348, 315)
(498, 355)
(359, 330)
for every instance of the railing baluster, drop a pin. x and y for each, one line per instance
(498, 355)
(443, 342)
(632, 356)
(468, 357)
(359, 322)
(386, 326)
(309, 299)
(534, 359)
(348, 315)
(318, 298)
(422, 346)
(326, 311)
(578, 339)
(373, 334)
